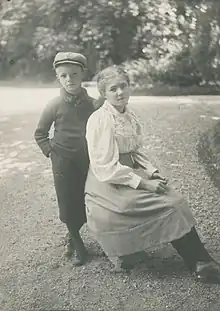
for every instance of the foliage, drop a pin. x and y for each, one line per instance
(157, 40)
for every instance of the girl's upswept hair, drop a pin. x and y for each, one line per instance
(108, 73)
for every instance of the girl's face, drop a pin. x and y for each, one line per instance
(117, 93)
(70, 77)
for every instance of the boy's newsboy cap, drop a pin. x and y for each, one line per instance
(69, 58)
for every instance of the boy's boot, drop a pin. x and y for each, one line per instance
(80, 253)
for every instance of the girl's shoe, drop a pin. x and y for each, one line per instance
(207, 272)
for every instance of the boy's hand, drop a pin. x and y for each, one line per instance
(49, 154)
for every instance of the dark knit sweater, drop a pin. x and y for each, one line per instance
(69, 115)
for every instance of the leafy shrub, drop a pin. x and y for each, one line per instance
(167, 41)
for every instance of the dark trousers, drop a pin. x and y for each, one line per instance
(191, 249)
(69, 180)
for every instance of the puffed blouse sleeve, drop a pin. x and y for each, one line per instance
(104, 153)
(140, 155)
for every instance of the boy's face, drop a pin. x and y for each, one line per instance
(70, 77)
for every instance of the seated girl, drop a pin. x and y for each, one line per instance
(130, 206)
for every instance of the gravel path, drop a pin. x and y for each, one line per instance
(33, 273)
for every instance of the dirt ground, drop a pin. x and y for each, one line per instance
(34, 275)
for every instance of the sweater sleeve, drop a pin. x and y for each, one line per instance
(104, 153)
(41, 134)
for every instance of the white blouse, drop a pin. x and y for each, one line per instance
(110, 133)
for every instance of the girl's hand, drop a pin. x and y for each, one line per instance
(158, 176)
(155, 185)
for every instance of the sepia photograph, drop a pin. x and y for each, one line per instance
(109, 155)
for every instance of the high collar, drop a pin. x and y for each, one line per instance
(113, 110)
(77, 99)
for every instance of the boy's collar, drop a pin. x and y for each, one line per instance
(73, 97)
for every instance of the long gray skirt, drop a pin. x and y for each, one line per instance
(125, 221)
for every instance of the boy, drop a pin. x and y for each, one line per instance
(68, 150)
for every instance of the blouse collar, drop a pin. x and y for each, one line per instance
(113, 110)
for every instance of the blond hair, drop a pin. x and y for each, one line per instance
(108, 73)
